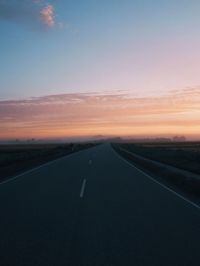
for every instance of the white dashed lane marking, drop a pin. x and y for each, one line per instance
(83, 188)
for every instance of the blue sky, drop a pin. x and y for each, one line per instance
(96, 45)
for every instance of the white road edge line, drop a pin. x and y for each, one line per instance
(83, 188)
(155, 181)
(10, 179)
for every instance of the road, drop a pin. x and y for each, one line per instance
(93, 209)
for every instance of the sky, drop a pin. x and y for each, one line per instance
(99, 67)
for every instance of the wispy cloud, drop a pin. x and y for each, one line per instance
(47, 15)
(81, 114)
(33, 13)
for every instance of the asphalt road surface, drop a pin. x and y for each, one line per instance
(92, 208)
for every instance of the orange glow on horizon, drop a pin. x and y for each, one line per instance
(82, 115)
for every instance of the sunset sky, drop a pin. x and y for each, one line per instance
(80, 68)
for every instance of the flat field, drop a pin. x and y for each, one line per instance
(183, 155)
(14, 159)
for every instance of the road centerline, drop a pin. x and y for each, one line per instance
(83, 188)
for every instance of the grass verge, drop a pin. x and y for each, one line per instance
(184, 182)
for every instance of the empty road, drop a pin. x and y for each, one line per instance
(94, 209)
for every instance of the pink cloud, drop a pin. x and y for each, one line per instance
(69, 114)
(47, 15)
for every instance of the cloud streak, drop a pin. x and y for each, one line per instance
(88, 114)
(28, 12)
